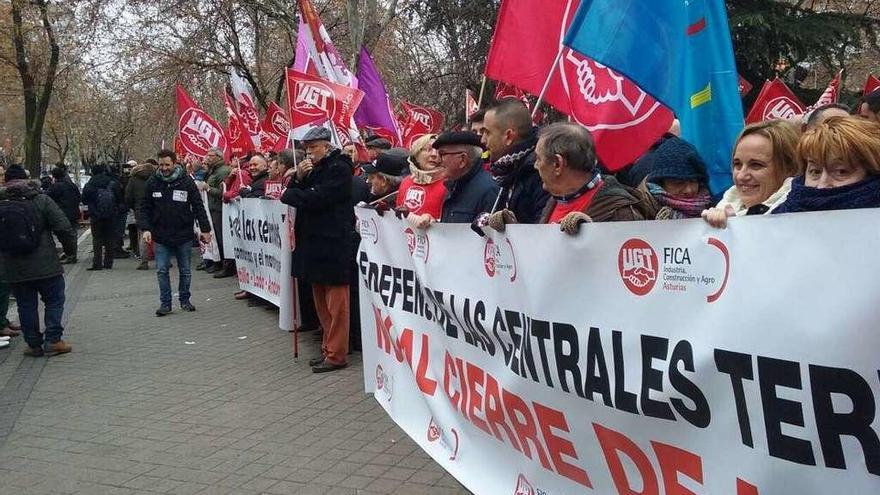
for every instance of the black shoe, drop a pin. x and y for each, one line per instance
(212, 268)
(68, 260)
(327, 366)
(187, 306)
(316, 361)
(163, 310)
(94, 269)
(253, 301)
(226, 272)
(143, 266)
(201, 266)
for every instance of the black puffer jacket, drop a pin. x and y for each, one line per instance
(526, 196)
(257, 187)
(324, 219)
(101, 181)
(170, 207)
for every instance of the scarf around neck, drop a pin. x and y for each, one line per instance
(677, 207)
(424, 177)
(863, 194)
(505, 167)
(178, 171)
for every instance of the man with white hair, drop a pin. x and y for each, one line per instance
(217, 171)
(321, 192)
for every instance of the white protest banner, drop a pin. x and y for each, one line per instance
(637, 358)
(209, 250)
(258, 234)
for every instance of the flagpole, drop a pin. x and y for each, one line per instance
(547, 81)
(482, 90)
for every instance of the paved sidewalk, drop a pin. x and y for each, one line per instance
(135, 409)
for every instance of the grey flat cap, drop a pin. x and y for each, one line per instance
(317, 134)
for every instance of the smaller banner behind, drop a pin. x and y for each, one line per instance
(258, 235)
(210, 251)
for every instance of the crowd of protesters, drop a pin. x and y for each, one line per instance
(499, 171)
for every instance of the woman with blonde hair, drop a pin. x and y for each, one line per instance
(422, 192)
(841, 159)
(764, 163)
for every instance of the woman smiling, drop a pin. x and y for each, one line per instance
(764, 162)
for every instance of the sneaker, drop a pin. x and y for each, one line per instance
(316, 361)
(4, 344)
(5, 339)
(34, 351)
(143, 266)
(326, 367)
(56, 348)
(187, 306)
(163, 310)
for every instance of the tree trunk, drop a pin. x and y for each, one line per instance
(35, 106)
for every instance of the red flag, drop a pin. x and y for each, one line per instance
(470, 105)
(274, 128)
(830, 95)
(178, 150)
(504, 91)
(623, 119)
(419, 121)
(198, 132)
(237, 135)
(871, 85)
(775, 102)
(744, 86)
(315, 102)
(246, 107)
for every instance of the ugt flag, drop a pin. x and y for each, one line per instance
(197, 132)
(680, 52)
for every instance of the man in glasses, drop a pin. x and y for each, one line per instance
(470, 189)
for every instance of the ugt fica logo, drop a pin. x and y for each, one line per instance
(499, 259)
(418, 244)
(435, 434)
(368, 229)
(524, 487)
(383, 382)
(637, 263)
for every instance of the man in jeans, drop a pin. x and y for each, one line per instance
(38, 274)
(170, 206)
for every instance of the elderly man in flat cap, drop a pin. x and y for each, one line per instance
(470, 190)
(321, 193)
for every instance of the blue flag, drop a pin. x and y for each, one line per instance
(679, 52)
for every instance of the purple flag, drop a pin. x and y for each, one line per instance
(375, 112)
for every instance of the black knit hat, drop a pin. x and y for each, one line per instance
(15, 172)
(677, 159)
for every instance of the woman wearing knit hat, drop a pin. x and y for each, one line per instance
(678, 180)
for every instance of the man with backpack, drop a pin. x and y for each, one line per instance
(103, 195)
(29, 262)
(171, 205)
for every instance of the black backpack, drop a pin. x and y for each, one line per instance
(105, 204)
(20, 225)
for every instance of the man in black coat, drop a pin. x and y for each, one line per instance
(103, 195)
(259, 170)
(511, 141)
(171, 205)
(67, 196)
(321, 193)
